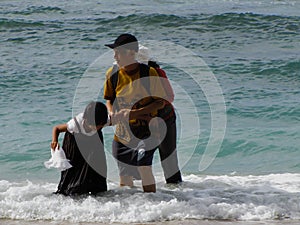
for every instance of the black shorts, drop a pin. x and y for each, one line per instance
(127, 159)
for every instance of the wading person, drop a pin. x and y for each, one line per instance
(83, 146)
(128, 105)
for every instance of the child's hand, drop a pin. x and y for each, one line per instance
(54, 144)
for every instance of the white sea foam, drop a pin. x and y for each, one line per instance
(247, 198)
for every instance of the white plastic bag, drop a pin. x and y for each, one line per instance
(58, 160)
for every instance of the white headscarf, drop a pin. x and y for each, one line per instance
(143, 55)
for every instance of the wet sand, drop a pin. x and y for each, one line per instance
(175, 222)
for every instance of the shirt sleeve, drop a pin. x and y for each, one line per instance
(108, 88)
(71, 125)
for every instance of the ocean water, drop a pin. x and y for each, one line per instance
(250, 47)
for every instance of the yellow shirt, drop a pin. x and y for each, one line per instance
(132, 91)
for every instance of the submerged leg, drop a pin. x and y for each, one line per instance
(148, 180)
(126, 181)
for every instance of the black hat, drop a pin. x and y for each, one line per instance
(127, 41)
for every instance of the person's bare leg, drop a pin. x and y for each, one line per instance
(148, 180)
(126, 181)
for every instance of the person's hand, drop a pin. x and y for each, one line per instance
(121, 115)
(54, 144)
(124, 113)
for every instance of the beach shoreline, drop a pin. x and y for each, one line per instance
(234, 69)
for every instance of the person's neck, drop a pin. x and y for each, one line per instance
(132, 68)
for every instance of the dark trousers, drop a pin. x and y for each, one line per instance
(168, 153)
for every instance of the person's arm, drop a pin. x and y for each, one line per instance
(111, 114)
(146, 110)
(109, 106)
(109, 92)
(55, 133)
(141, 113)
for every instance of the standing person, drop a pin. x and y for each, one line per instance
(167, 148)
(126, 94)
(83, 146)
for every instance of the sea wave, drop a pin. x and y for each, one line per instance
(227, 197)
(235, 21)
(30, 10)
(18, 23)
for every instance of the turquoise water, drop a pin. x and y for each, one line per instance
(252, 48)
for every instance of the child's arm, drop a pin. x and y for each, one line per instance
(55, 133)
